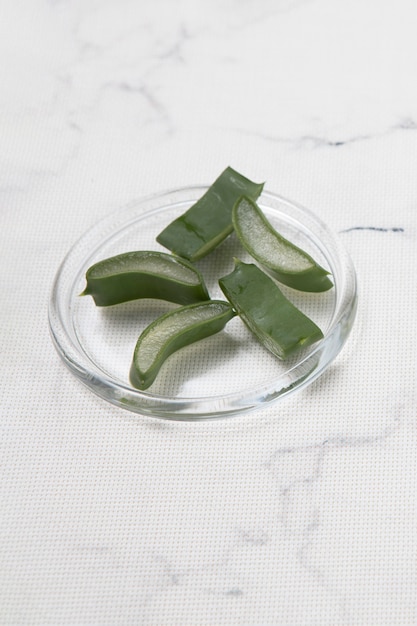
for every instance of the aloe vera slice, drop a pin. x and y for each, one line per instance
(274, 320)
(283, 260)
(144, 274)
(172, 331)
(209, 221)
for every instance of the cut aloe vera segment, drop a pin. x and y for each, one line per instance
(274, 320)
(172, 331)
(285, 261)
(144, 274)
(208, 222)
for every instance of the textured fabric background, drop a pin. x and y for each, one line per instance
(301, 514)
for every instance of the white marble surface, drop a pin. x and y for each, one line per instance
(305, 514)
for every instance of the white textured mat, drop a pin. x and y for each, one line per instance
(304, 514)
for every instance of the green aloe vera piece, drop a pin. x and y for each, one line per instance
(209, 221)
(275, 321)
(144, 274)
(283, 260)
(172, 331)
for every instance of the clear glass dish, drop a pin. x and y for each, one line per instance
(224, 375)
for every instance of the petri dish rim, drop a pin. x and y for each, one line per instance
(307, 368)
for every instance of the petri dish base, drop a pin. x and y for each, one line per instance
(224, 375)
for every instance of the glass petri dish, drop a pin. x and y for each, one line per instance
(227, 374)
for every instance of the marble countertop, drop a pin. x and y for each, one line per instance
(302, 514)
